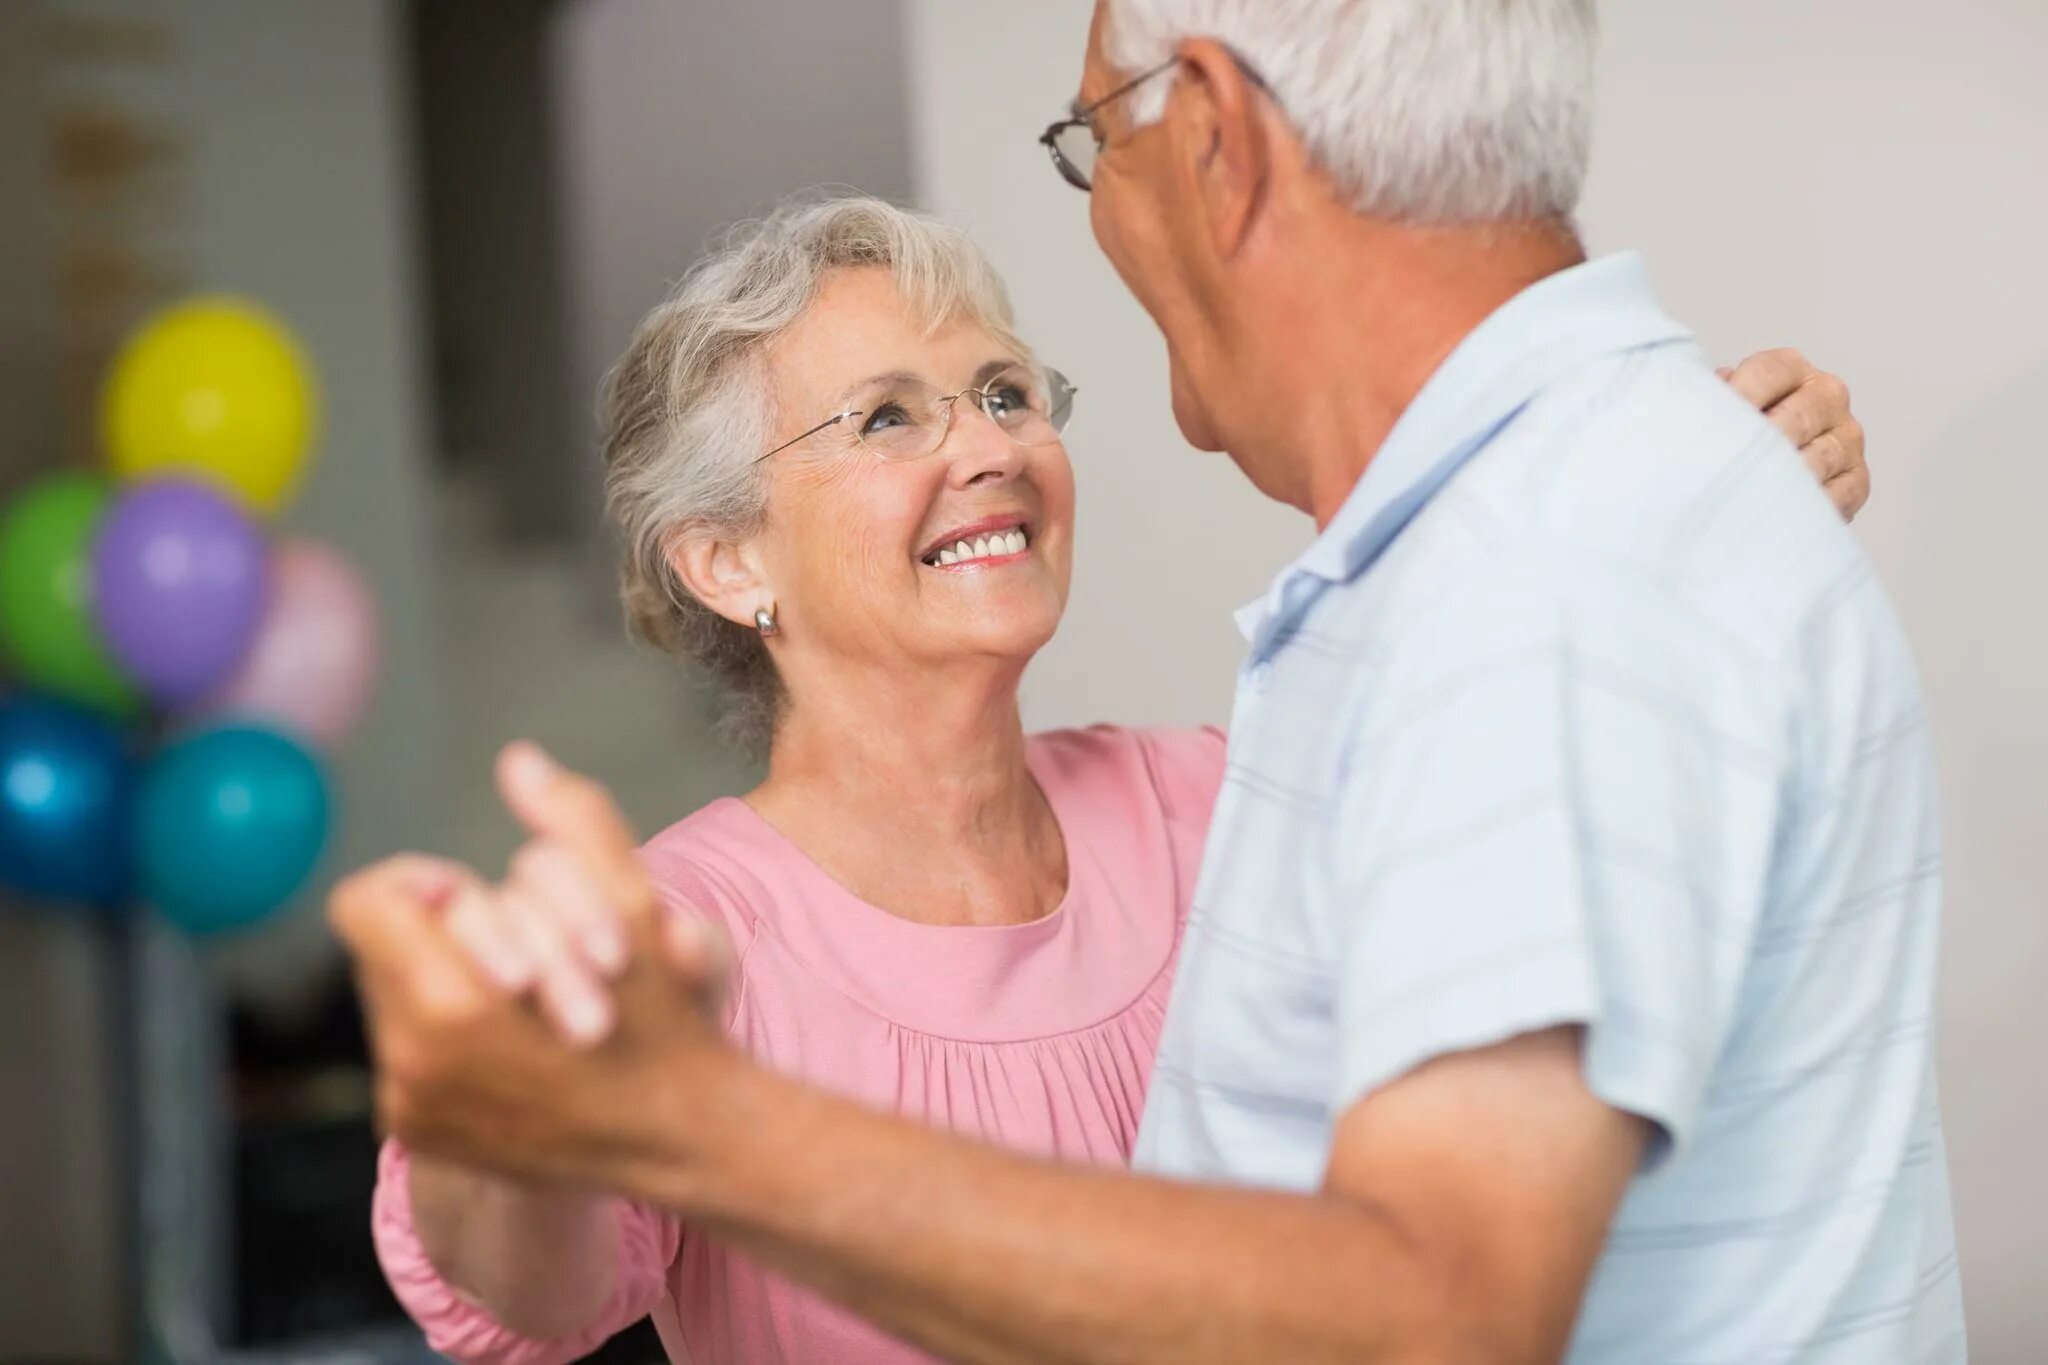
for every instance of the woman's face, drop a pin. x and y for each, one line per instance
(864, 554)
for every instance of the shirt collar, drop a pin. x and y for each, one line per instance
(1595, 309)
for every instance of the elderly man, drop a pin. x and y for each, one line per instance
(1562, 971)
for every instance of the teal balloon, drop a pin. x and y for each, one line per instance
(66, 792)
(229, 825)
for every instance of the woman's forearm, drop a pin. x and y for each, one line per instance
(540, 1261)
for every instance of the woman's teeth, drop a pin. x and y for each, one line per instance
(1012, 542)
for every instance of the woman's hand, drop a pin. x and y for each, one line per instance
(1812, 408)
(554, 929)
(465, 982)
(495, 1069)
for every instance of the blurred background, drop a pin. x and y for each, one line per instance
(459, 209)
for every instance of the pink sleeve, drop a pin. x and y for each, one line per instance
(685, 884)
(459, 1329)
(1187, 772)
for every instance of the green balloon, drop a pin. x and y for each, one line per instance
(46, 620)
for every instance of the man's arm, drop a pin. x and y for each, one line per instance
(1464, 1207)
(1462, 1213)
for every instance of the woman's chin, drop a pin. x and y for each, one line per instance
(1009, 630)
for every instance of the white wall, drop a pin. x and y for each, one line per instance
(1866, 180)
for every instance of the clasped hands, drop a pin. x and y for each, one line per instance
(554, 1025)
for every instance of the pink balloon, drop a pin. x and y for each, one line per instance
(314, 661)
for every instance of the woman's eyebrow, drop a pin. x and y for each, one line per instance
(892, 377)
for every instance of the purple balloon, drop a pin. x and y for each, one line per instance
(180, 579)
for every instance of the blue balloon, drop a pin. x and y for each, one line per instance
(229, 824)
(66, 793)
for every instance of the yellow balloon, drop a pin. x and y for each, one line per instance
(214, 387)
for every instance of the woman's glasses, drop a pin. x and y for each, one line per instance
(903, 417)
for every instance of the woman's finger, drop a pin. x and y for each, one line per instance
(1818, 406)
(578, 813)
(1768, 377)
(1850, 491)
(570, 993)
(697, 952)
(475, 923)
(557, 878)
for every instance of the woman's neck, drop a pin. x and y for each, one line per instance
(918, 798)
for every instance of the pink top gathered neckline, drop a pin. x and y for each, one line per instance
(1038, 1036)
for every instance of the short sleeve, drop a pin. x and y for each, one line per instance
(1558, 805)
(459, 1329)
(687, 887)
(1187, 771)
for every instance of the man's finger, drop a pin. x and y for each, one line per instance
(577, 813)
(388, 916)
(1766, 379)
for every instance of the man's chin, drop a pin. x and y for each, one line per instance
(1195, 427)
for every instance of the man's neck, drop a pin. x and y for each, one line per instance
(1370, 316)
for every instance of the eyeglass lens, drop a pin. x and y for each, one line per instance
(907, 419)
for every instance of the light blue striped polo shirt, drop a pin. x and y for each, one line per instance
(1587, 709)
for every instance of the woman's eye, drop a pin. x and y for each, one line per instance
(1009, 398)
(884, 417)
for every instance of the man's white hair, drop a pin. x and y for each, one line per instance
(1424, 111)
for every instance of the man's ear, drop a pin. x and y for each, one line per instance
(1221, 140)
(726, 577)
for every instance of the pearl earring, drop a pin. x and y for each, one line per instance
(764, 621)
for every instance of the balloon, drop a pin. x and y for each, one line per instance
(311, 668)
(215, 388)
(229, 824)
(66, 785)
(46, 620)
(180, 579)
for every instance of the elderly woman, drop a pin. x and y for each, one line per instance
(841, 486)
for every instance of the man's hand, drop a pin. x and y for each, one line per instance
(1812, 409)
(472, 1072)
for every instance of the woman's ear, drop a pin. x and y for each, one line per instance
(725, 577)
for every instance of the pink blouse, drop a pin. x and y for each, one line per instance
(1039, 1037)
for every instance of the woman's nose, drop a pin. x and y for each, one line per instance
(977, 450)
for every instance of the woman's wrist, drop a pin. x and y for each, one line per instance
(540, 1260)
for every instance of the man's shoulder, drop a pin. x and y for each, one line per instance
(1648, 453)
(1642, 477)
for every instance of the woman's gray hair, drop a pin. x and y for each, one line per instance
(687, 412)
(1423, 111)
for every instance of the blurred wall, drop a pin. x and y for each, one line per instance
(1866, 181)
(60, 1266)
(677, 119)
(292, 190)
(302, 196)
(490, 209)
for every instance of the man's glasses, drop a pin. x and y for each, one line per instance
(903, 417)
(1075, 141)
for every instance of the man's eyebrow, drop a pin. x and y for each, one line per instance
(1076, 108)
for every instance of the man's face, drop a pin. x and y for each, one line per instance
(1133, 210)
